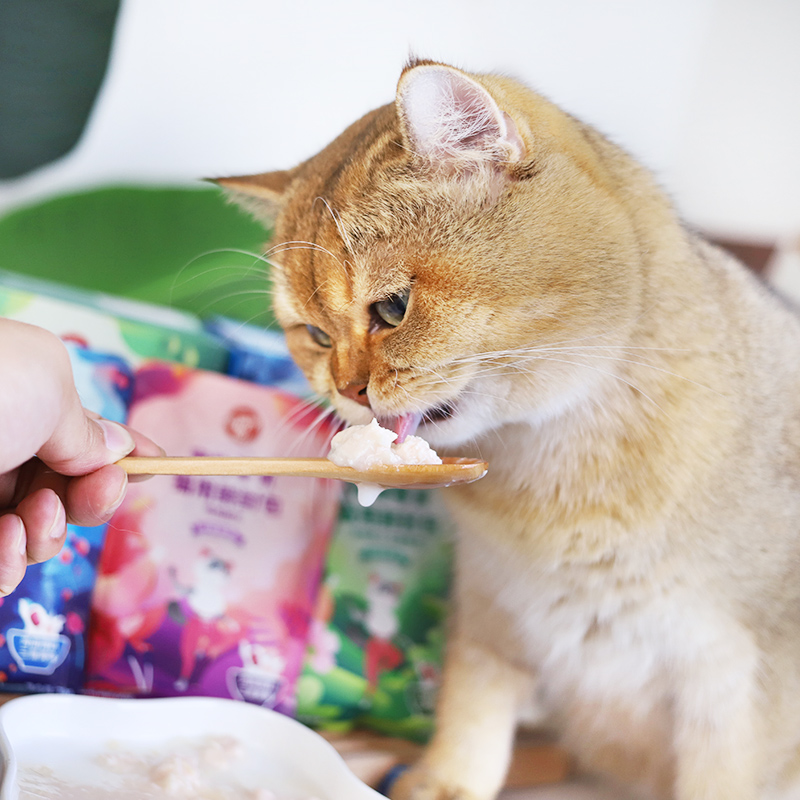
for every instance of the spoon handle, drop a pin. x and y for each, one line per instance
(209, 465)
(450, 471)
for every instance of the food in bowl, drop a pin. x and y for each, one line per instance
(103, 748)
(198, 768)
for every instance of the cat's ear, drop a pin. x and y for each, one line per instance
(262, 195)
(452, 122)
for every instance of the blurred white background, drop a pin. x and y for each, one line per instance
(705, 92)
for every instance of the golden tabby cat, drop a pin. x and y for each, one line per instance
(474, 260)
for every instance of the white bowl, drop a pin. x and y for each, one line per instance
(65, 732)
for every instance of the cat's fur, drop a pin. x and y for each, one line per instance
(637, 395)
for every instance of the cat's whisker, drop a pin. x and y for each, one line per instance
(313, 401)
(568, 345)
(610, 374)
(225, 270)
(298, 444)
(345, 237)
(407, 392)
(317, 288)
(516, 368)
(243, 293)
(647, 365)
(253, 321)
(324, 418)
(225, 251)
(291, 242)
(509, 368)
(440, 378)
(575, 340)
(286, 247)
(459, 391)
(348, 245)
(236, 251)
(283, 247)
(309, 430)
(613, 347)
(516, 353)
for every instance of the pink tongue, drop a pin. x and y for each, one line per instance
(405, 425)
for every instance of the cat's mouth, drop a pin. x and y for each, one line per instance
(406, 425)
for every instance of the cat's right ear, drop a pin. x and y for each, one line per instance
(262, 195)
(452, 123)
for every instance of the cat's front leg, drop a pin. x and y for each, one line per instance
(476, 717)
(718, 734)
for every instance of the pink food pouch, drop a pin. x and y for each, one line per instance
(207, 584)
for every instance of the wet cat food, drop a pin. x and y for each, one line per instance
(192, 769)
(365, 446)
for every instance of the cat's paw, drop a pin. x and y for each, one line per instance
(421, 783)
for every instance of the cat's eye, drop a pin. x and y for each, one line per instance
(319, 335)
(393, 308)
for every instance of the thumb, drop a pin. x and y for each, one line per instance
(83, 443)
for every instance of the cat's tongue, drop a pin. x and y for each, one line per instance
(404, 426)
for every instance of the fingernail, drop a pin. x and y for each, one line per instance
(13, 534)
(117, 438)
(59, 523)
(118, 501)
(22, 540)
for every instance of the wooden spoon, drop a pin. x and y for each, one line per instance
(410, 476)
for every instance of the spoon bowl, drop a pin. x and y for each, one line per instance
(407, 476)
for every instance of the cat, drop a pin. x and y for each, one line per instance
(473, 260)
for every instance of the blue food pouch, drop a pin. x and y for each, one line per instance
(43, 622)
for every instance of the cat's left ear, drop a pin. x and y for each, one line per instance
(452, 122)
(262, 195)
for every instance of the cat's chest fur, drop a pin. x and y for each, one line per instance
(563, 617)
(554, 598)
(610, 641)
(602, 605)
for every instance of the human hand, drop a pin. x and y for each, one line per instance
(56, 458)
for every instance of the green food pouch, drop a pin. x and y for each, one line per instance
(377, 638)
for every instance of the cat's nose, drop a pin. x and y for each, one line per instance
(357, 392)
